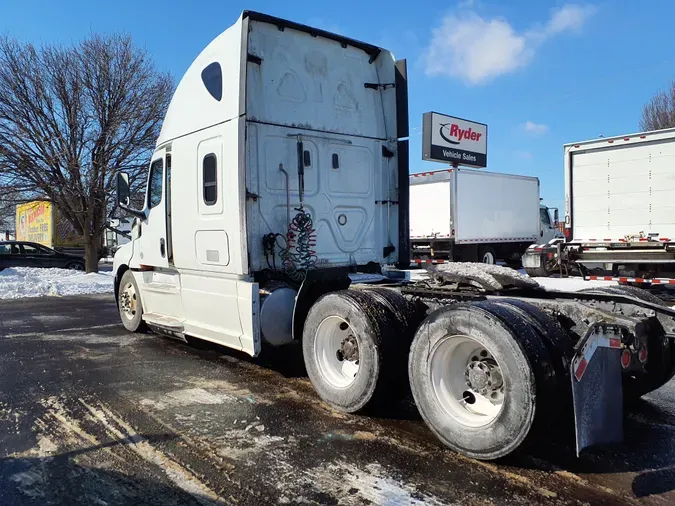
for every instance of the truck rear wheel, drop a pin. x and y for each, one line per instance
(487, 255)
(349, 344)
(130, 305)
(537, 272)
(478, 374)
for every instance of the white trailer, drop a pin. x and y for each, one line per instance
(474, 215)
(619, 210)
(280, 177)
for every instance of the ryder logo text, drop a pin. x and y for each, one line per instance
(451, 131)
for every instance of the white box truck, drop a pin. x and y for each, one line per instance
(619, 210)
(279, 186)
(474, 215)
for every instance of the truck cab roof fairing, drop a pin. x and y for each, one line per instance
(195, 106)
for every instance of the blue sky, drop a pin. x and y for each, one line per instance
(539, 73)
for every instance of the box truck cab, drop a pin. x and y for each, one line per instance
(549, 224)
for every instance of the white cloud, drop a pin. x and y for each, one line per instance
(569, 17)
(477, 50)
(535, 128)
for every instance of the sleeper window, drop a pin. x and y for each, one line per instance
(209, 176)
(212, 77)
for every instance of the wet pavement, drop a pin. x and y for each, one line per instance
(90, 414)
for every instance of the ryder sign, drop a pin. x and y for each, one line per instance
(453, 140)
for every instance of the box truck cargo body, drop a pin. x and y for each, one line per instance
(474, 215)
(619, 209)
(621, 187)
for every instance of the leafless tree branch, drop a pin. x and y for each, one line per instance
(71, 118)
(659, 112)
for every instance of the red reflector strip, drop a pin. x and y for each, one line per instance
(614, 342)
(581, 368)
(657, 281)
(626, 138)
(664, 239)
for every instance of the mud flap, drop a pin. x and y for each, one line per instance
(596, 388)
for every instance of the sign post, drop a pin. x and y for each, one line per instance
(453, 140)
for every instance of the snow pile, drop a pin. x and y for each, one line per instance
(20, 282)
(571, 284)
(487, 277)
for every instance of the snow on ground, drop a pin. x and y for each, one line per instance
(19, 282)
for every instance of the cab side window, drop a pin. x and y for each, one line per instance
(210, 179)
(155, 183)
(545, 218)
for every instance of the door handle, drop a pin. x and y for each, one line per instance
(541, 234)
(162, 247)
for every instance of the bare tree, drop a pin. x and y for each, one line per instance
(659, 112)
(71, 118)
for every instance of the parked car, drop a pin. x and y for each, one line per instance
(30, 254)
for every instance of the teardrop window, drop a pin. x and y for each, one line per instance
(212, 77)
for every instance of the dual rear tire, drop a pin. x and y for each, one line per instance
(355, 345)
(485, 376)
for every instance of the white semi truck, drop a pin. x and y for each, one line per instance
(619, 211)
(476, 216)
(280, 178)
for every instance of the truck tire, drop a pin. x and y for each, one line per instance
(407, 317)
(349, 347)
(537, 272)
(129, 304)
(660, 364)
(480, 376)
(487, 255)
(554, 337)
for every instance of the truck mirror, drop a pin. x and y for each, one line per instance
(555, 216)
(123, 189)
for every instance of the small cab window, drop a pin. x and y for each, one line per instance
(210, 178)
(155, 183)
(5, 249)
(545, 218)
(212, 77)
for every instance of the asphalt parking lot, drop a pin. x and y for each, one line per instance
(90, 414)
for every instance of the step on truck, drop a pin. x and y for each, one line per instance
(476, 216)
(619, 214)
(276, 200)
